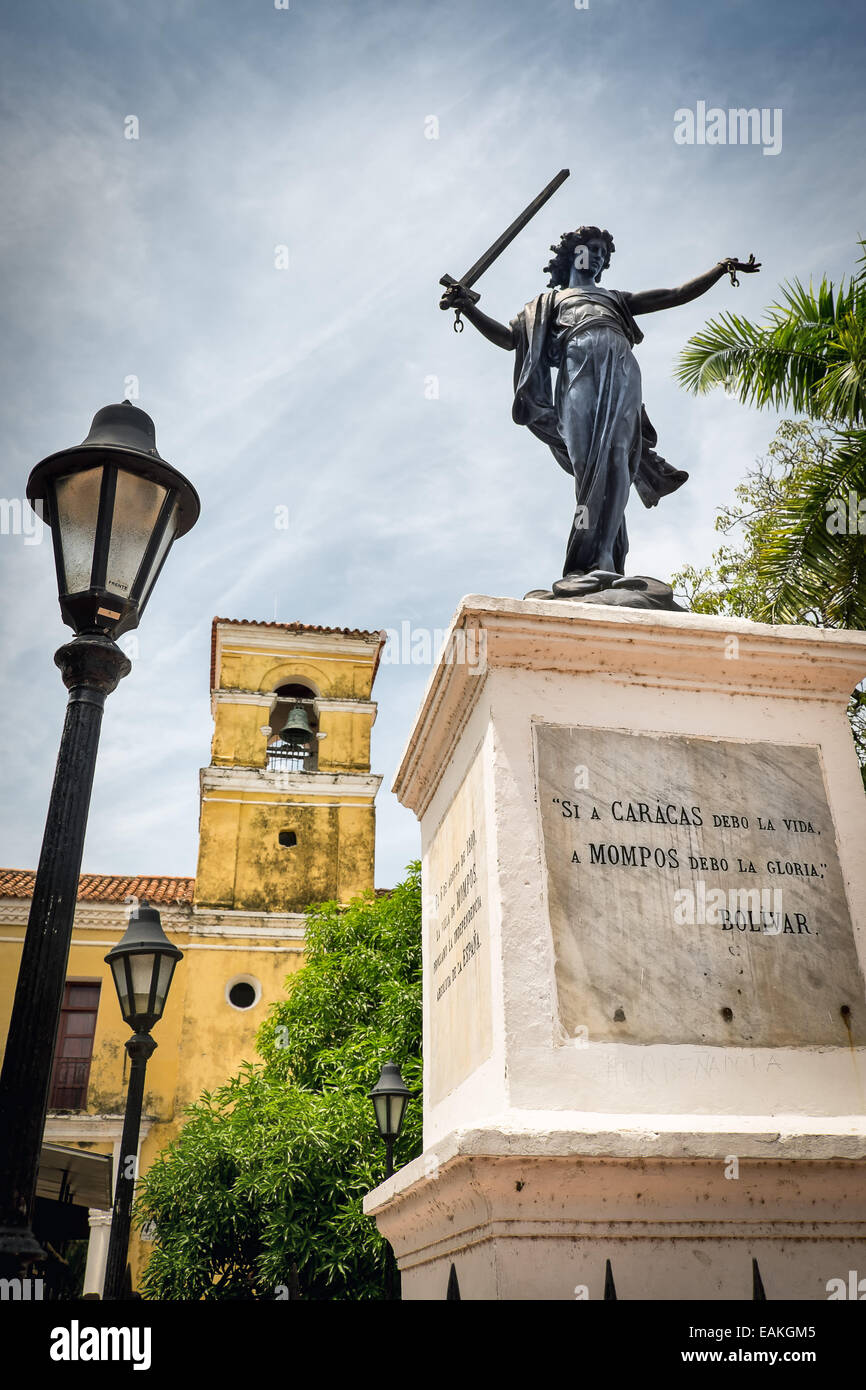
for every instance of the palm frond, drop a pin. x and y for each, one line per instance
(780, 366)
(841, 395)
(814, 554)
(809, 356)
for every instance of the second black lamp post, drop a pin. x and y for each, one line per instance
(390, 1096)
(142, 964)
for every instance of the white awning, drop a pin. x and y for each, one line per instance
(72, 1175)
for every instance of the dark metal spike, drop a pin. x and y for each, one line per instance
(453, 1294)
(758, 1295)
(609, 1285)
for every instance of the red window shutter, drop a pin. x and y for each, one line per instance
(74, 1049)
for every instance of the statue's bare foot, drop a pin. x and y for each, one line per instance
(578, 585)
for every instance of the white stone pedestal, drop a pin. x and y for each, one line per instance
(644, 849)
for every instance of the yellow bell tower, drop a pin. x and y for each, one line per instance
(287, 803)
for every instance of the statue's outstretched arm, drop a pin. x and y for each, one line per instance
(650, 301)
(495, 332)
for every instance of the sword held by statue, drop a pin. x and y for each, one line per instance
(484, 262)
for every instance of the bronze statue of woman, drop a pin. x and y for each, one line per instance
(593, 418)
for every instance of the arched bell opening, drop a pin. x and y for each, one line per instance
(293, 744)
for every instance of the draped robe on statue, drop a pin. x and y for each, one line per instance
(593, 421)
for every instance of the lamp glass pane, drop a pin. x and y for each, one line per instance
(168, 536)
(136, 508)
(77, 504)
(142, 971)
(118, 970)
(166, 970)
(398, 1110)
(381, 1106)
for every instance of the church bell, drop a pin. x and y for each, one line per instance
(298, 731)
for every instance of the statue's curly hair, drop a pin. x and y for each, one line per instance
(563, 260)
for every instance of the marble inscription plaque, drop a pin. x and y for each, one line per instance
(457, 977)
(695, 892)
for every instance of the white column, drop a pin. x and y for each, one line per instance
(97, 1250)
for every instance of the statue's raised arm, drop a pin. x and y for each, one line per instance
(650, 301)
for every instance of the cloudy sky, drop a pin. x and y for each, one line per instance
(380, 144)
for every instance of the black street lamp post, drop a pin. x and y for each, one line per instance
(114, 508)
(390, 1096)
(142, 964)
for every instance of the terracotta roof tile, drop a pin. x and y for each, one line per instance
(158, 889)
(291, 627)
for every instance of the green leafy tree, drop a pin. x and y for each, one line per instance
(735, 583)
(809, 357)
(260, 1196)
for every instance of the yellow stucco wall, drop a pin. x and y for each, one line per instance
(243, 866)
(335, 674)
